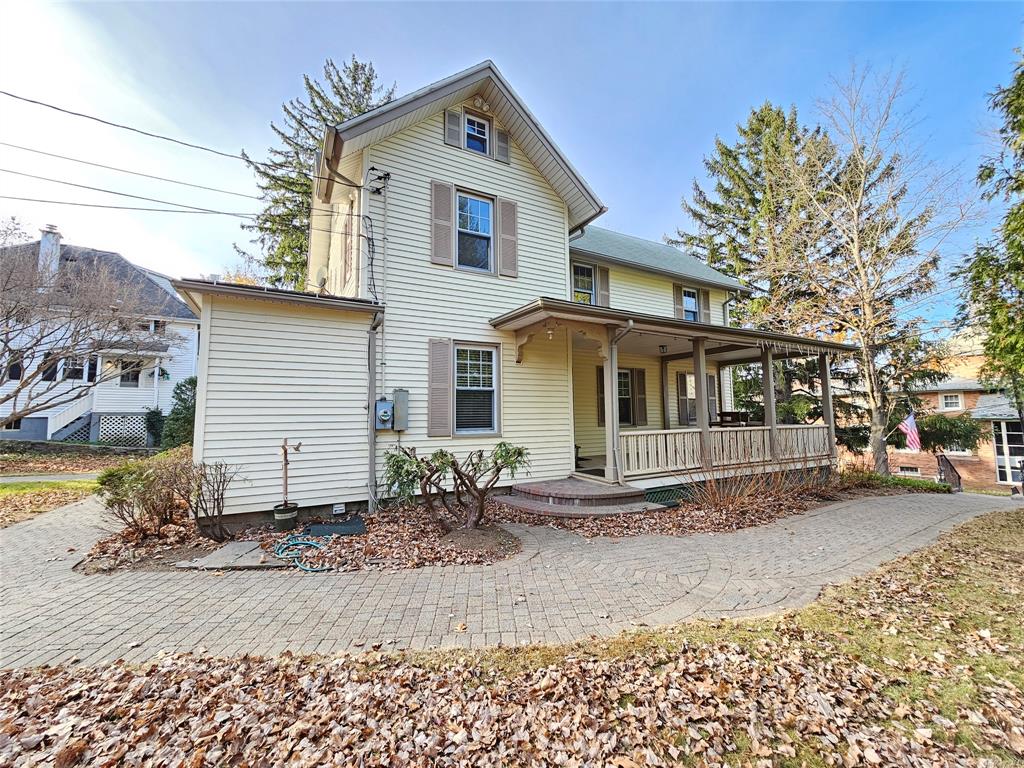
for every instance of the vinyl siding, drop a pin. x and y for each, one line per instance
(273, 371)
(427, 301)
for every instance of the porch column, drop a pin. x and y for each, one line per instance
(700, 381)
(827, 413)
(156, 383)
(611, 408)
(768, 397)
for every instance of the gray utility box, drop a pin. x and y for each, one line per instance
(401, 413)
(384, 414)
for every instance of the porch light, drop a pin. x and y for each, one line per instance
(663, 348)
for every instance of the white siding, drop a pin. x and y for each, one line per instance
(427, 301)
(273, 371)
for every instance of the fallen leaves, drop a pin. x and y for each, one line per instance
(400, 537)
(158, 549)
(29, 463)
(21, 501)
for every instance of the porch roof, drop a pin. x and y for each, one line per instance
(731, 345)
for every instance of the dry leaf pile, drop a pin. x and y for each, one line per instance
(911, 667)
(705, 703)
(398, 537)
(57, 463)
(15, 507)
(128, 549)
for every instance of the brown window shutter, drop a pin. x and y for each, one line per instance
(639, 397)
(677, 301)
(439, 388)
(713, 396)
(442, 210)
(508, 238)
(501, 151)
(682, 409)
(600, 396)
(603, 294)
(704, 302)
(453, 127)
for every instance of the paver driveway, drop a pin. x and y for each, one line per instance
(560, 588)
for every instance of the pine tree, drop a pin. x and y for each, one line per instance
(284, 178)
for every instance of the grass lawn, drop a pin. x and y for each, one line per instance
(920, 663)
(20, 501)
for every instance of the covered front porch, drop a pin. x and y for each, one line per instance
(652, 401)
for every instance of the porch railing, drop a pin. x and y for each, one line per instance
(655, 452)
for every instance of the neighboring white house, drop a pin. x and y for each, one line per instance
(455, 274)
(113, 411)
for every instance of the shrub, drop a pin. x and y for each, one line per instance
(473, 478)
(180, 422)
(859, 477)
(154, 425)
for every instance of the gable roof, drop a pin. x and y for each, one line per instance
(615, 247)
(994, 406)
(486, 81)
(952, 384)
(156, 296)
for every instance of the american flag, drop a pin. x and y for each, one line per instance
(909, 428)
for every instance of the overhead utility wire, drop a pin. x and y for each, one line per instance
(109, 191)
(120, 207)
(126, 170)
(161, 137)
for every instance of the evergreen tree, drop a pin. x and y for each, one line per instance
(180, 422)
(993, 276)
(285, 177)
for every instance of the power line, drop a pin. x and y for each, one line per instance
(108, 191)
(126, 170)
(161, 137)
(122, 207)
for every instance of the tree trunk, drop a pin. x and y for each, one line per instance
(877, 444)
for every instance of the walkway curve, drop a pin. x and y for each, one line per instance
(560, 588)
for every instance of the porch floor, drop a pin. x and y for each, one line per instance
(576, 497)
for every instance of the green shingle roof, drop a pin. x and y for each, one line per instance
(650, 255)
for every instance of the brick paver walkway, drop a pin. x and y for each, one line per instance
(560, 588)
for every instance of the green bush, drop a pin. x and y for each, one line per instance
(180, 421)
(858, 477)
(155, 425)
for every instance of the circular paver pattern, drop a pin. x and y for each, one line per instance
(560, 588)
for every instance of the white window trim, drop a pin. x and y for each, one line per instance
(488, 138)
(1001, 436)
(13, 426)
(959, 401)
(65, 364)
(495, 350)
(696, 300)
(593, 281)
(491, 269)
(914, 471)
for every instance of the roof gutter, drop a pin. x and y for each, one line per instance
(577, 231)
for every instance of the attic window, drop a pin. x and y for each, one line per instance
(477, 134)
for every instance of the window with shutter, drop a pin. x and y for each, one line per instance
(15, 367)
(49, 367)
(686, 400)
(638, 378)
(584, 284)
(600, 396)
(476, 389)
(453, 127)
(705, 306)
(603, 289)
(501, 146)
(474, 224)
(713, 396)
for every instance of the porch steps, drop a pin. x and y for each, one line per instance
(575, 497)
(538, 507)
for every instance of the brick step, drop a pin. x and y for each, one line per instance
(578, 493)
(539, 507)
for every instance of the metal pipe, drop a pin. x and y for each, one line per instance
(371, 399)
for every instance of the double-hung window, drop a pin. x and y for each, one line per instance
(625, 398)
(475, 219)
(691, 305)
(130, 371)
(584, 284)
(476, 395)
(951, 402)
(74, 368)
(477, 134)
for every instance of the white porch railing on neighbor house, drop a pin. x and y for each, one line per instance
(113, 398)
(75, 408)
(666, 451)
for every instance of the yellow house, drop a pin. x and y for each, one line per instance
(458, 285)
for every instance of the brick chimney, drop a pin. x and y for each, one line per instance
(49, 251)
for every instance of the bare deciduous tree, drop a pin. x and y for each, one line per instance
(56, 317)
(880, 214)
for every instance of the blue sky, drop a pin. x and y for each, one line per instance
(633, 93)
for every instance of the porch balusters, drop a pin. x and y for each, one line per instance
(768, 395)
